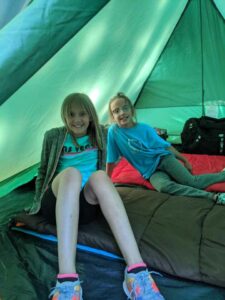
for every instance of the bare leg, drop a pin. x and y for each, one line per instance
(66, 187)
(100, 189)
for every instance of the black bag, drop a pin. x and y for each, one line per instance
(204, 135)
(161, 132)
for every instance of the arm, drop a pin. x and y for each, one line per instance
(40, 177)
(113, 154)
(109, 168)
(179, 156)
(42, 170)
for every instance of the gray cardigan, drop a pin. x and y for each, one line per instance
(51, 150)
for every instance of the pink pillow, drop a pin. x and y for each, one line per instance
(125, 173)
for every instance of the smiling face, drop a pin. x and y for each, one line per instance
(77, 120)
(122, 112)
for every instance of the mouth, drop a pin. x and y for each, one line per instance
(123, 119)
(77, 126)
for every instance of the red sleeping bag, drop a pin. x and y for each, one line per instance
(125, 173)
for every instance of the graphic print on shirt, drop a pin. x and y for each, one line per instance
(82, 157)
(74, 149)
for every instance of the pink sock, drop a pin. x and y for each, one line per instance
(67, 277)
(140, 265)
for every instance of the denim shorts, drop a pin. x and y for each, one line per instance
(87, 214)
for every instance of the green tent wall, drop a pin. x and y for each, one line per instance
(188, 79)
(166, 55)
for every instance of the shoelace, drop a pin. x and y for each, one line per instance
(220, 198)
(144, 280)
(156, 273)
(64, 288)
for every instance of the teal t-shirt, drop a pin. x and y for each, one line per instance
(83, 158)
(140, 145)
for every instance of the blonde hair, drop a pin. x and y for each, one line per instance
(85, 102)
(120, 95)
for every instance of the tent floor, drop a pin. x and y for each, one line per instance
(28, 267)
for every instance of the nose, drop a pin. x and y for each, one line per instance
(76, 119)
(121, 111)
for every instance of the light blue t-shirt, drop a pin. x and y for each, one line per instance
(83, 158)
(140, 145)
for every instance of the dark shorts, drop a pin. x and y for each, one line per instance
(87, 214)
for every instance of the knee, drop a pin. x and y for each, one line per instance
(98, 177)
(71, 174)
(163, 186)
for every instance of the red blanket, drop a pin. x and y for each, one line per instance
(201, 163)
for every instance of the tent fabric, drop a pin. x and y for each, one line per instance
(9, 9)
(98, 60)
(37, 33)
(220, 4)
(188, 77)
(23, 177)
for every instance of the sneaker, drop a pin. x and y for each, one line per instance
(141, 286)
(67, 290)
(220, 198)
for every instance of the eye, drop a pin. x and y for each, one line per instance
(115, 111)
(126, 107)
(83, 113)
